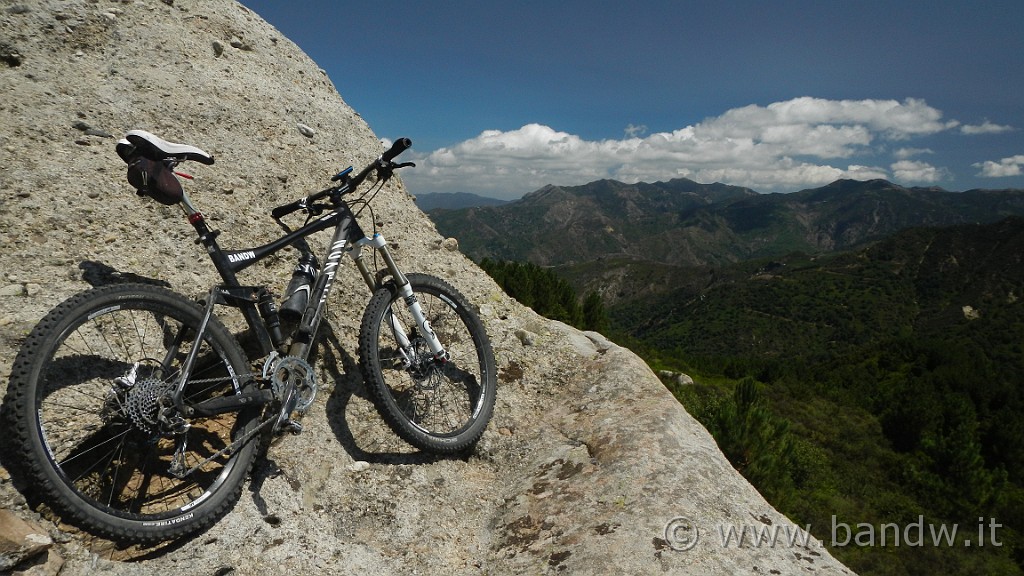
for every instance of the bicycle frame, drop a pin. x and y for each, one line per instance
(256, 303)
(168, 412)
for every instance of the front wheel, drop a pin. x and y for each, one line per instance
(440, 406)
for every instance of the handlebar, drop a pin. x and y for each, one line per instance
(384, 162)
(286, 209)
(400, 145)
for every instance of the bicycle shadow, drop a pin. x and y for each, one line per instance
(348, 384)
(99, 274)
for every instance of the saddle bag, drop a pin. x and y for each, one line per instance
(154, 179)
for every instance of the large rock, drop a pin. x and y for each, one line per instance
(589, 465)
(20, 540)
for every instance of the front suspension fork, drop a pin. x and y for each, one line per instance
(404, 290)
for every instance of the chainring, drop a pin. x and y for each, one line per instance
(298, 373)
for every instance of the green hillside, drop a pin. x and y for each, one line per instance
(857, 390)
(888, 384)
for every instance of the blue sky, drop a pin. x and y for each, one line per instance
(502, 98)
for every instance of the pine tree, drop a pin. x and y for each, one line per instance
(756, 442)
(594, 316)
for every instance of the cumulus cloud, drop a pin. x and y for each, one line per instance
(985, 128)
(865, 173)
(893, 119)
(1012, 166)
(782, 146)
(633, 131)
(911, 171)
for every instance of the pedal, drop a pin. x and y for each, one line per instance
(290, 426)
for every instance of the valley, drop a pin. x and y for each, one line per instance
(856, 349)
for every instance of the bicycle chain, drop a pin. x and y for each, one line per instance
(254, 376)
(237, 443)
(230, 447)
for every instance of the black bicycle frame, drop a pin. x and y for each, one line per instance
(255, 302)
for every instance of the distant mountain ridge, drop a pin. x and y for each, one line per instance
(557, 225)
(915, 281)
(682, 222)
(454, 201)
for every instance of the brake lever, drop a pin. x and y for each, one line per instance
(387, 169)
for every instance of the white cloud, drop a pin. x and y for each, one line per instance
(893, 119)
(780, 147)
(904, 153)
(985, 128)
(911, 171)
(633, 131)
(855, 172)
(1012, 166)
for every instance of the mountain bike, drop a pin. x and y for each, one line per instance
(137, 415)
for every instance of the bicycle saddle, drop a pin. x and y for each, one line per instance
(156, 148)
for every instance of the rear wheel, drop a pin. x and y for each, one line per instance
(437, 406)
(84, 403)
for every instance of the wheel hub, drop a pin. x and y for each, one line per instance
(424, 365)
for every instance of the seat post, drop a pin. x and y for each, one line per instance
(208, 238)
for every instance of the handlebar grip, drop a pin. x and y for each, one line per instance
(400, 145)
(286, 209)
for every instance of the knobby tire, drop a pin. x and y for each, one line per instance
(81, 406)
(437, 407)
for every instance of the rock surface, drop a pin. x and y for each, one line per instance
(588, 459)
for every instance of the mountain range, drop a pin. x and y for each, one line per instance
(683, 223)
(454, 201)
(921, 281)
